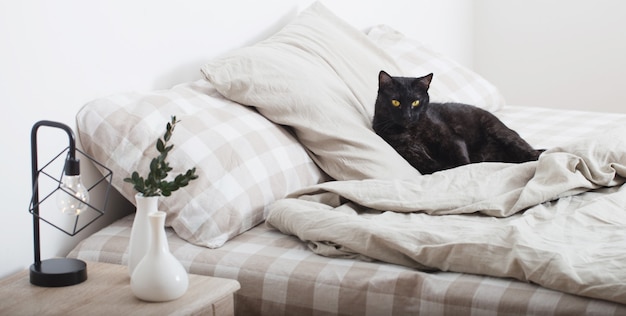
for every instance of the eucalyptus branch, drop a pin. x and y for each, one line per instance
(155, 184)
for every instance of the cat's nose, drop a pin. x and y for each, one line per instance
(409, 114)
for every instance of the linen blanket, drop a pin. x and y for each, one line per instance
(559, 222)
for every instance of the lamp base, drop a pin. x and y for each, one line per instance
(58, 272)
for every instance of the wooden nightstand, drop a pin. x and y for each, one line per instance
(107, 292)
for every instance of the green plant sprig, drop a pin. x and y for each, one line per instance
(155, 184)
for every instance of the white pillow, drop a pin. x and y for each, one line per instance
(244, 161)
(451, 81)
(318, 75)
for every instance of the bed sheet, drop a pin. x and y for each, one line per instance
(548, 127)
(279, 275)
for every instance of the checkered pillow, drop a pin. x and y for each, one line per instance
(451, 82)
(244, 161)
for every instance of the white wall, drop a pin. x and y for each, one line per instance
(57, 55)
(557, 53)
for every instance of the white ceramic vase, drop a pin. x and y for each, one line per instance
(140, 232)
(159, 276)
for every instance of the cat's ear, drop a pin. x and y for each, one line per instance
(424, 82)
(384, 79)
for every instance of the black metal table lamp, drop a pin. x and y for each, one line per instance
(72, 198)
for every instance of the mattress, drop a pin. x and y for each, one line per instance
(280, 275)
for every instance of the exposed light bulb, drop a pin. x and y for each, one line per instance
(72, 197)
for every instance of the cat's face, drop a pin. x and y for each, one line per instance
(402, 99)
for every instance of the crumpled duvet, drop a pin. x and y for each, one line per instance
(559, 222)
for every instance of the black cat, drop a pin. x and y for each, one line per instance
(438, 136)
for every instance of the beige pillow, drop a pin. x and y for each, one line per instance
(451, 81)
(244, 161)
(318, 75)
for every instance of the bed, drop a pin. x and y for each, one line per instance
(312, 213)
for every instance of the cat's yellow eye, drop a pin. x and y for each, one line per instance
(415, 103)
(395, 103)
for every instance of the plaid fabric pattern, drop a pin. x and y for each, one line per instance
(451, 81)
(280, 276)
(548, 127)
(244, 161)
